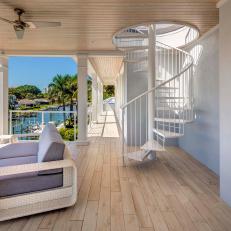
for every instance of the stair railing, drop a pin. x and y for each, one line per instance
(173, 101)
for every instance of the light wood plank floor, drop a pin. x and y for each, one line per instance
(173, 193)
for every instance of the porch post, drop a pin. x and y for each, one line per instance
(100, 97)
(151, 78)
(94, 97)
(82, 99)
(4, 95)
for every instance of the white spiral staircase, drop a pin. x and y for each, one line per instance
(171, 98)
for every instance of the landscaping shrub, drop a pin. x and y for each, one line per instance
(68, 133)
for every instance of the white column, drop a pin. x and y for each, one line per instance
(100, 97)
(151, 78)
(224, 100)
(82, 99)
(116, 96)
(94, 97)
(3, 95)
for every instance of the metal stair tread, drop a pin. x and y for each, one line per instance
(132, 36)
(153, 145)
(166, 133)
(167, 108)
(170, 97)
(138, 155)
(171, 120)
(168, 88)
(138, 60)
(133, 48)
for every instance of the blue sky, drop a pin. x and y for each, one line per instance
(38, 71)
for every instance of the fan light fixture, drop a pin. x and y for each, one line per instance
(20, 26)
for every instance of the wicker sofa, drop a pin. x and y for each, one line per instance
(36, 176)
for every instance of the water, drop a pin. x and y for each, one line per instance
(30, 122)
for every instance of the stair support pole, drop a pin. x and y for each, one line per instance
(151, 82)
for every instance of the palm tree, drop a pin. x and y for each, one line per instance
(58, 87)
(71, 86)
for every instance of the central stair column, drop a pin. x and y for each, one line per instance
(151, 82)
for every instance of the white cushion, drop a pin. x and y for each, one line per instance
(51, 145)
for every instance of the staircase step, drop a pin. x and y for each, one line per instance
(171, 120)
(138, 60)
(138, 155)
(167, 88)
(167, 134)
(170, 97)
(132, 48)
(132, 36)
(153, 145)
(167, 108)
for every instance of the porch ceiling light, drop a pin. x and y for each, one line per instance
(20, 26)
(19, 30)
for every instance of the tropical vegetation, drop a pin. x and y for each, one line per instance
(61, 92)
(108, 91)
(62, 89)
(26, 92)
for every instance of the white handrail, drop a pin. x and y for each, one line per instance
(162, 84)
(172, 99)
(36, 122)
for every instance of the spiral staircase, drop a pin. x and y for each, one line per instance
(170, 98)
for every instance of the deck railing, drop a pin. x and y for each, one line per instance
(28, 124)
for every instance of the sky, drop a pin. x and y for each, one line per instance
(38, 71)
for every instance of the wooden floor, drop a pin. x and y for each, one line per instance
(173, 193)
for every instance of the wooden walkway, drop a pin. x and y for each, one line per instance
(174, 193)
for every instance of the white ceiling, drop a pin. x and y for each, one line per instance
(91, 24)
(107, 68)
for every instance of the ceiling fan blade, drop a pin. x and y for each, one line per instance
(37, 24)
(6, 20)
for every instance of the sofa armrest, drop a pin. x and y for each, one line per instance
(70, 173)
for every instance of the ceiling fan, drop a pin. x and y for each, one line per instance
(19, 25)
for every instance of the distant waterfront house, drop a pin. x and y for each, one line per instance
(42, 101)
(26, 103)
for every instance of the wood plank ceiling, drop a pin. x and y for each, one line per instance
(107, 68)
(90, 24)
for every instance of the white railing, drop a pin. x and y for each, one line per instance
(172, 97)
(191, 35)
(28, 124)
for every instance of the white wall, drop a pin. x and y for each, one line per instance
(201, 138)
(225, 101)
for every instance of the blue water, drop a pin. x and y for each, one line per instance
(24, 124)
